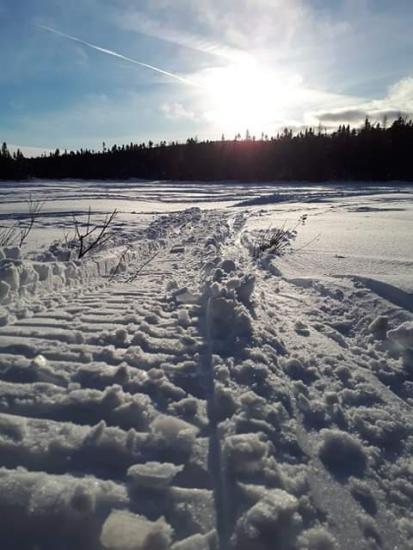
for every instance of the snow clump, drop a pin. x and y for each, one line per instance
(153, 475)
(174, 433)
(126, 531)
(317, 538)
(273, 522)
(402, 336)
(243, 452)
(342, 453)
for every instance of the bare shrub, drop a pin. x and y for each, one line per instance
(277, 240)
(18, 233)
(25, 226)
(94, 234)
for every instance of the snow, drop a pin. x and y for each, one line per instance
(243, 452)
(174, 390)
(402, 335)
(154, 475)
(273, 520)
(342, 452)
(126, 531)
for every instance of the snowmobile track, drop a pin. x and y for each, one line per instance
(192, 404)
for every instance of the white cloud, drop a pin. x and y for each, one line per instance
(398, 101)
(140, 22)
(177, 111)
(401, 93)
(229, 28)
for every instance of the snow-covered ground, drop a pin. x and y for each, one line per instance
(173, 390)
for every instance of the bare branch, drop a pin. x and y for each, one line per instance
(85, 244)
(8, 235)
(142, 266)
(34, 208)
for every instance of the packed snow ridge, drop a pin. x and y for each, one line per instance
(174, 391)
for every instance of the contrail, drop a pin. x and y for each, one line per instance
(124, 57)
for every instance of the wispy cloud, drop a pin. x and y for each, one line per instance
(112, 53)
(177, 111)
(140, 22)
(349, 115)
(398, 101)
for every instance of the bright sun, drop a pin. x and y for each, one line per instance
(246, 96)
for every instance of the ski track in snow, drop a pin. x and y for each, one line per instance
(201, 401)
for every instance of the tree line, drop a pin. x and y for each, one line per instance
(372, 152)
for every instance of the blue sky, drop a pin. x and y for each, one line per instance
(232, 64)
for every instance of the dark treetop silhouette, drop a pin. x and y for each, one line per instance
(373, 152)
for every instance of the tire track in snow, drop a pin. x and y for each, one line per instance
(215, 464)
(67, 374)
(333, 496)
(161, 377)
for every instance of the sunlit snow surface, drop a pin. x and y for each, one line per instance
(352, 229)
(173, 390)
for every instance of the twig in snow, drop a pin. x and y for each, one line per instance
(85, 244)
(35, 207)
(121, 258)
(145, 263)
(8, 235)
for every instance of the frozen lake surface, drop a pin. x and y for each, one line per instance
(351, 229)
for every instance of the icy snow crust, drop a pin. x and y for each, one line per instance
(172, 392)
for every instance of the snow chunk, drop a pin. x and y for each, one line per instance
(246, 288)
(297, 371)
(243, 452)
(183, 318)
(379, 427)
(224, 403)
(317, 538)
(154, 475)
(227, 319)
(38, 508)
(379, 326)
(185, 296)
(342, 453)
(136, 357)
(402, 336)
(9, 274)
(174, 432)
(273, 522)
(191, 511)
(127, 531)
(253, 405)
(43, 372)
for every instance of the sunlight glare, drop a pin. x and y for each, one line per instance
(247, 96)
